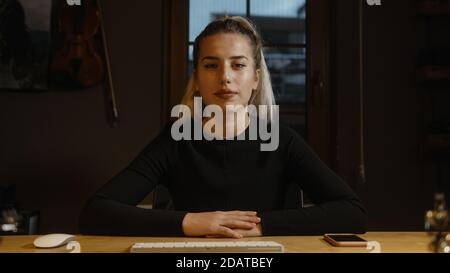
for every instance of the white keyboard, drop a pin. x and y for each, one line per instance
(208, 246)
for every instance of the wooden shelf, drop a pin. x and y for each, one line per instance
(434, 73)
(433, 7)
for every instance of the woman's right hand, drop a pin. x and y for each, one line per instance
(219, 223)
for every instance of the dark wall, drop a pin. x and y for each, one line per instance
(58, 148)
(398, 187)
(395, 118)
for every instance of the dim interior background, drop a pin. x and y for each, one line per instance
(57, 148)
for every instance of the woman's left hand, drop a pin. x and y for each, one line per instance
(254, 232)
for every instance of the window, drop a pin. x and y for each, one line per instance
(283, 28)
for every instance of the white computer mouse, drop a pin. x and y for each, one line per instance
(53, 240)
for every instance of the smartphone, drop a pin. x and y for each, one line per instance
(345, 240)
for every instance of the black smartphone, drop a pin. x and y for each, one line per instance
(345, 240)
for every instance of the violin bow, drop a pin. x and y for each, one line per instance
(115, 112)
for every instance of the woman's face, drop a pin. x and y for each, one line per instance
(226, 73)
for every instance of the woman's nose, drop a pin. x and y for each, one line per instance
(225, 77)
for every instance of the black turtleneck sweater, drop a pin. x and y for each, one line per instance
(224, 175)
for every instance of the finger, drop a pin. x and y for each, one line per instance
(214, 236)
(251, 219)
(242, 232)
(229, 232)
(239, 212)
(233, 223)
(241, 217)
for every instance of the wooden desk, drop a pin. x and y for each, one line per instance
(390, 242)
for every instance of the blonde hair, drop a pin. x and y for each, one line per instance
(263, 95)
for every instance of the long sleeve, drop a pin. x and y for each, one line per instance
(203, 176)
(113, 209)
(336, 207)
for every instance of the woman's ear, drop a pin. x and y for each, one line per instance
(257, 78)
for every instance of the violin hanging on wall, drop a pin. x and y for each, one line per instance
(76, 61)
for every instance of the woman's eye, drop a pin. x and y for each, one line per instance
(240, 66)
(210, 66)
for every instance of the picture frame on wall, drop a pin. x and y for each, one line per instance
(25, 38)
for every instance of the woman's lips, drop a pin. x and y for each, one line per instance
(225, 94)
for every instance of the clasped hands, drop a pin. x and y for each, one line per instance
(234, 224)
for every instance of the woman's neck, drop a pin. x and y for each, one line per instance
(231, 126)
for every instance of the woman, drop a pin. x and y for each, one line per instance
(225, 187)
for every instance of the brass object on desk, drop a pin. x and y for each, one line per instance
(436, 223)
